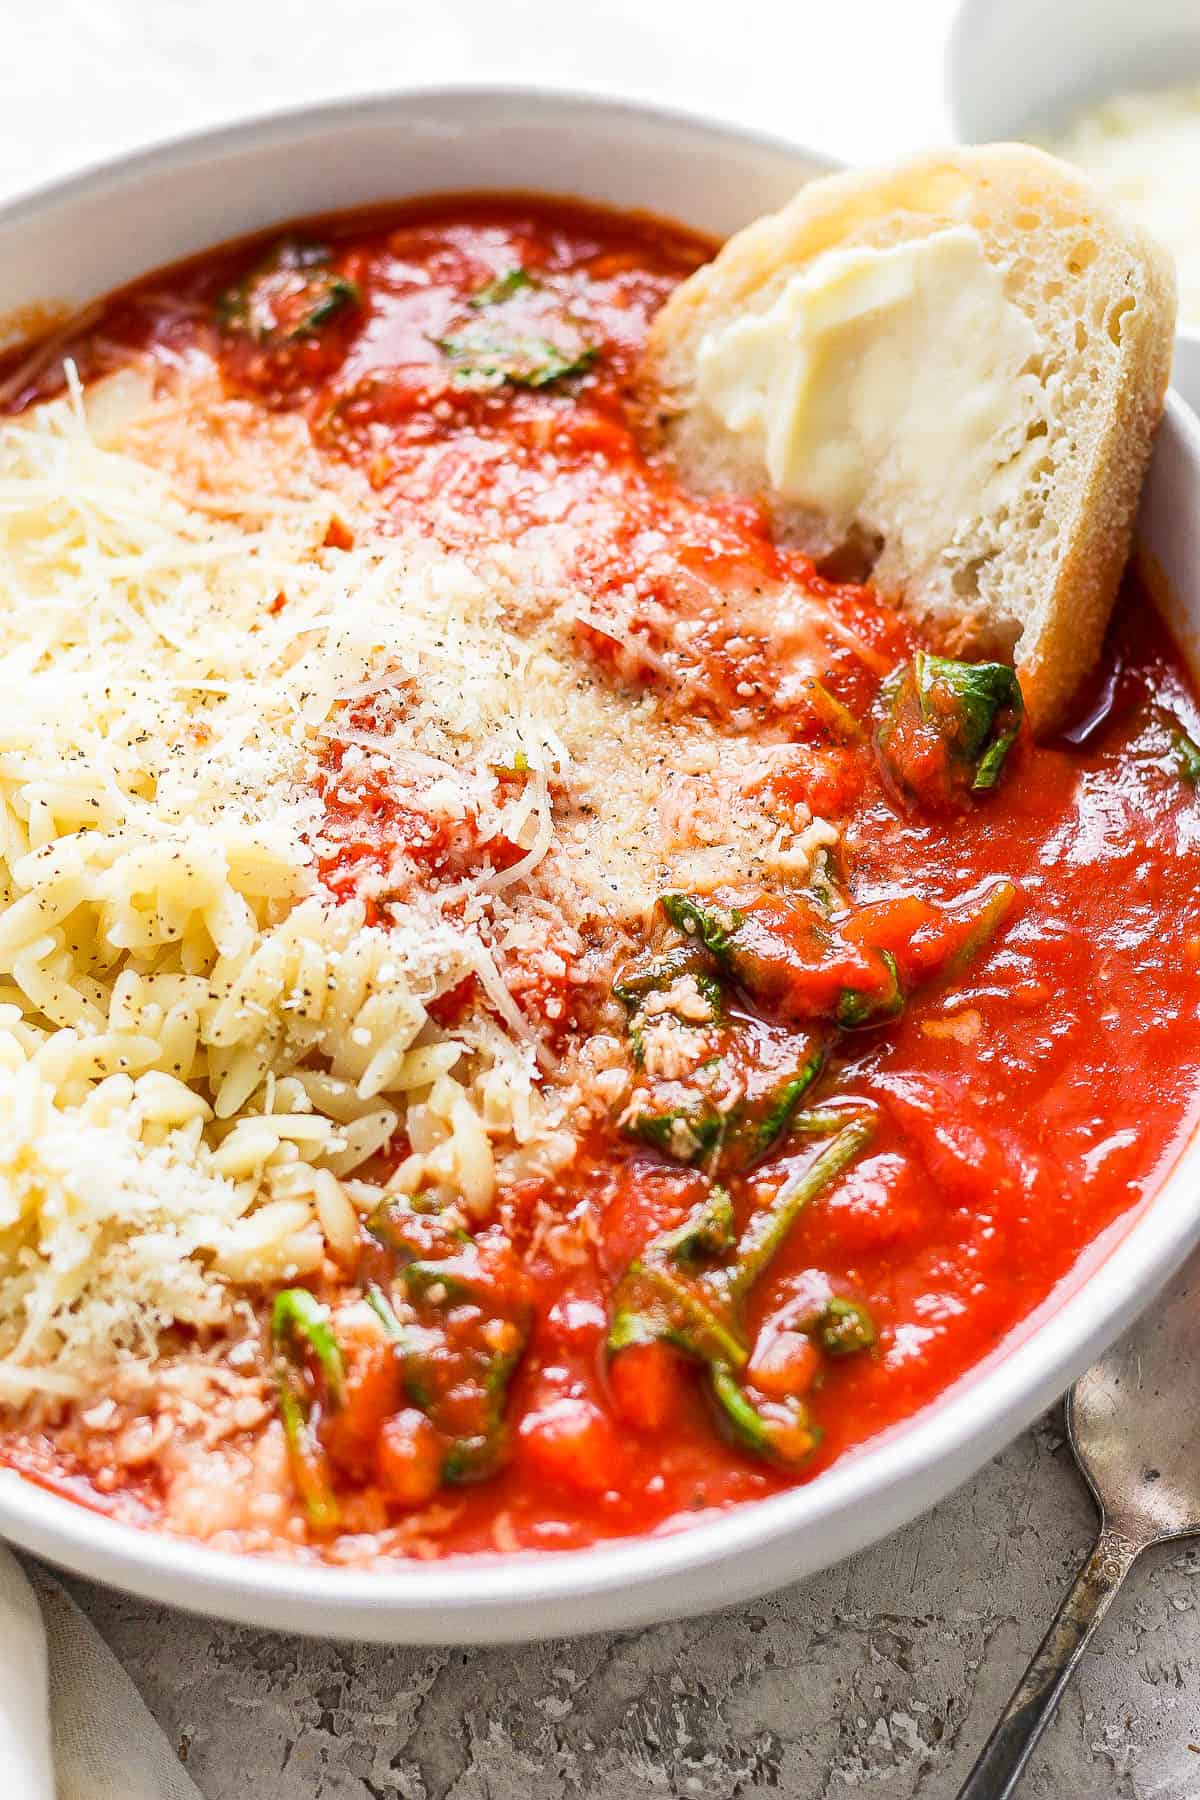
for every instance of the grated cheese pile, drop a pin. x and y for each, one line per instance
(201, 1040)
(1143, 151)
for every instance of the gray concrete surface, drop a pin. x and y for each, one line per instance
(876, 1681)
(880, 1679)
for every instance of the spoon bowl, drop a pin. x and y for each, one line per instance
(1134, 1434)
(1134, 1428)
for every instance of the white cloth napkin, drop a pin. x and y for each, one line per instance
(72, 1724)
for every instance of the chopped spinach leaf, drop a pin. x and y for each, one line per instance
(300, 1321)
(689, 1286)
(714, 925)
(657, 974)
(688, 1132)
(779, 1431)
(299, 1318)
(288, 295)
(855, 1010)
(947, 727)
(466, 1324)
(485, 352)
(845, 1327)
(485, 357)
(716, 1089)
(1185, 752)
(513, 281)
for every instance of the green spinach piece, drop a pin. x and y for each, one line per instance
(291, 293)
(844, 1327)
(714, 925)
(856, 1010)
(1185, 753)
(689, 1286)
(299, 1322)
(747, 1078)
(502, 288)
(967, 714)
(463, 1336)
(483, 356)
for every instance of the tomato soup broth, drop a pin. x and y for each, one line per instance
(845, 1101)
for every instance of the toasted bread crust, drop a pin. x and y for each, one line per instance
(1109, 315)
(1066, 646)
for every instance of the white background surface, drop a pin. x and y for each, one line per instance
(85, 78)
(881, 1678)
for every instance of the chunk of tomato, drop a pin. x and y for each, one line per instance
(408, 1458)
(784, 1364)
(374, 1390)
(646, 1381)
(569, 1441)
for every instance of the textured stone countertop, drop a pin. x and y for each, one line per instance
(883, 1676)
(878, 1679)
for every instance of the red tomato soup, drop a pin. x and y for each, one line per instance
(847, 1015)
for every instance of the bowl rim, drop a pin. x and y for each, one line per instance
(732, 1555)
(278, 124)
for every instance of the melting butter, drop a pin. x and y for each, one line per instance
(878, 375)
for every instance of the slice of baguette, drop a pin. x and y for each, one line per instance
(1033, 579)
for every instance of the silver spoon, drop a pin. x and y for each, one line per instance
(1133, 1422)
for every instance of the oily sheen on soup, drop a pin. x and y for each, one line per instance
(527, 1011)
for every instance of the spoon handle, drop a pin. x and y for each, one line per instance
(996, 1774)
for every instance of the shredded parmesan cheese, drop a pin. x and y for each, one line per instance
(202, 1038)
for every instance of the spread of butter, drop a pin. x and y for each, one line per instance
(877, 374)
(1143, 150)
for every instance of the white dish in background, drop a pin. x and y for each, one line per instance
(79, 237)
(1021, 67)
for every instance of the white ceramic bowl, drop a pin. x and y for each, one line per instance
(75, 239)
(1020, 66)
